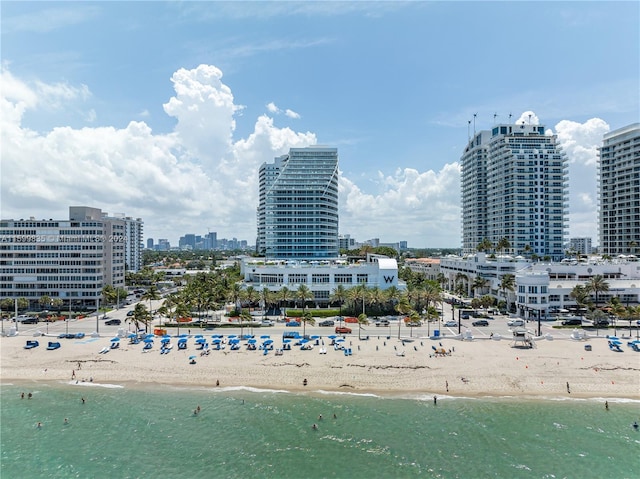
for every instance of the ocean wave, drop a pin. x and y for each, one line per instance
(94, 384)
(346, 393)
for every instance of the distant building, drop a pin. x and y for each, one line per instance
(619, 191)
(150, 243)
(514, 186)
(581, 245)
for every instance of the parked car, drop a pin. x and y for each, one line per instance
(113, 322)
(465, 316)
(327, 322)
(515, 322)
(131, 313)
(414, 324)
(481, 322)
(572, 322)
(292, 324)
(601, 323)
(451, 324)
(342, 330)
(382, 322)
(351, 320)
(266, 322)
(27, 319)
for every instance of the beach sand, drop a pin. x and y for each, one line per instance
(474, 368)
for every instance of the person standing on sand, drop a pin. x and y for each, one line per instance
(446, 383)
(568, 388)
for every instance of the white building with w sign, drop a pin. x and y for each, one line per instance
(322, 276)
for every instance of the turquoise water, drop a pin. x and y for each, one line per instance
(129, 433)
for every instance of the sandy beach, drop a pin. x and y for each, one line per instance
(473, 368)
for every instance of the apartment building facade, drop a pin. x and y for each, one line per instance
(514, 185)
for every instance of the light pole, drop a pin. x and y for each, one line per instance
(98, 314)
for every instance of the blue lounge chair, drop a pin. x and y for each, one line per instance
(148, 346)
(53, 345)
(31, 344)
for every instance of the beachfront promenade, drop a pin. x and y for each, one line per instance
(483, 366)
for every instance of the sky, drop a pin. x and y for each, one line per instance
(166, 110)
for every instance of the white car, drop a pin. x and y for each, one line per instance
(451, 324)
(515, 322)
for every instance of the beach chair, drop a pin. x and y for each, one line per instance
(53, 345)
(31, 344)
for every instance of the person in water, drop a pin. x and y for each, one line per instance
(635, 425)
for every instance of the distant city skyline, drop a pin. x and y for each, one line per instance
(167, 110)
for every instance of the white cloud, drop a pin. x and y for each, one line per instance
(580, 142)
(200, 177)
(291, 114)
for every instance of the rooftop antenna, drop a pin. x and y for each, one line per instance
(474, 123)
(510, 115)
(495, 115)
(529, 118)
(468, 132)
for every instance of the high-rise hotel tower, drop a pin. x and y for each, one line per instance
(298, 205)
(514, 186)
(619, 191)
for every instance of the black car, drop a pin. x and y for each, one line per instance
(572, 322)
(130, 313)
(327, 322)
(113, 322)
(481, 322)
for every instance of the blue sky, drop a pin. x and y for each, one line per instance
(165, 110)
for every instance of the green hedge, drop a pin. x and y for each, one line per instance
(316, 313)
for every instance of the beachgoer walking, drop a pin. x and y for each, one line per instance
(568, 388)
(435, 400)
(217, 382)
(73, 374)
(606, 405)
(446, 383)
(29, 396)
(304, 382)
(79, 365)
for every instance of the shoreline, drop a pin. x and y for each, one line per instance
(474, 369)
(422, 396)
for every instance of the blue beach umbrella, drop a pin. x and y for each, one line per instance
(115, 339)
(201, 340)
(286, 341)
(252, 341)
(216, 341)
(132, 335)
(268, 341)
(148, 340)
(192, 357)
(265, 336)
(333, 336)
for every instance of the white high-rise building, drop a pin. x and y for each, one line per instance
(619, 191)
(514, 186)
(298, 205)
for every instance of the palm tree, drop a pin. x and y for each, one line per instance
(234, 294)
(304, 294)
(503, 244)
(479, 283)
(362, 319)
(358, 296)
(284, 294)
(403, 307)
(393, 295)
(597, 284)
(57, 303)
(307, 317)
(580, 295)
(460, 281)
(339, 295)
(267, 298)
(507, 283)
(151, 294)
(141, 315)
(484, 245)
(45, 301)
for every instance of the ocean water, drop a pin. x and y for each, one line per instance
(135, 432)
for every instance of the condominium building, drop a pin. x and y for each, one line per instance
(68, 259)
(515, 186)
(298, 205)
(580, 245)
(619, 191)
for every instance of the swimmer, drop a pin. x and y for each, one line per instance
(66, 421)
(635, 425)
(314, 427)
(39, 425)
(334, 416)
(82, 399)
(320, 417)
(198, 408)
